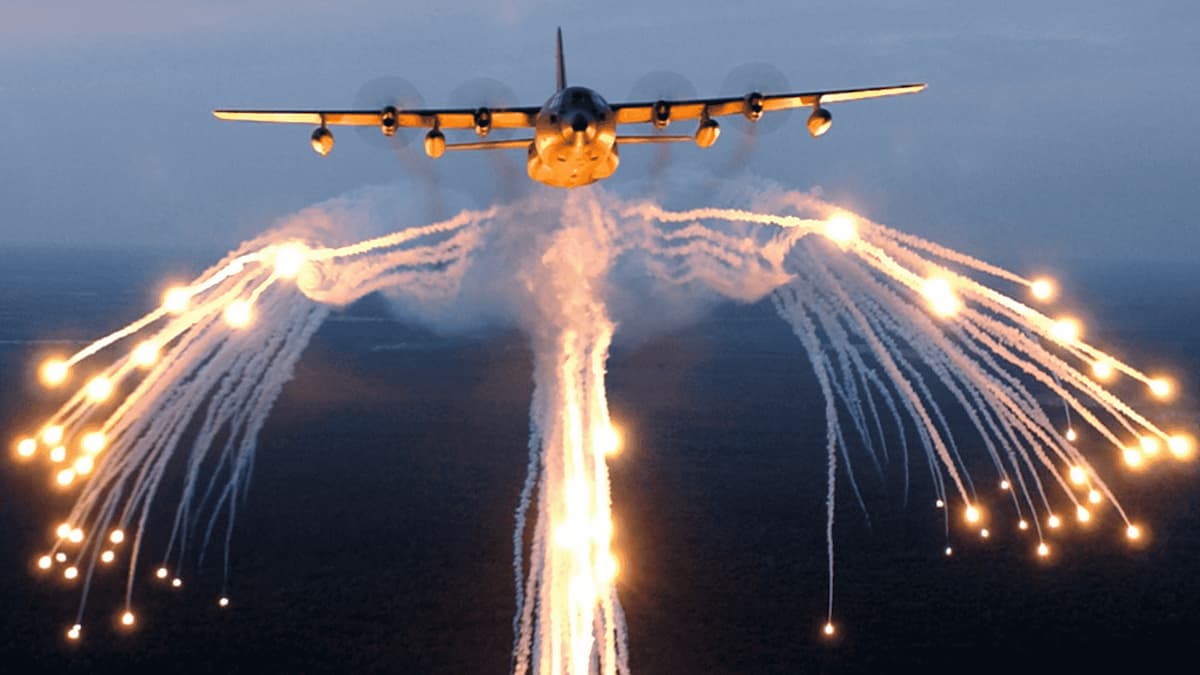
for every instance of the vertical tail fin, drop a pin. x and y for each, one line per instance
(562, 69)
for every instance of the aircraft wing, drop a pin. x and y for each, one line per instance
(444, 118)
(639, 113)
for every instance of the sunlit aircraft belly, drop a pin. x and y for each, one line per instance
(574, 140)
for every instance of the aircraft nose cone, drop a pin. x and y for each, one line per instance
(579, 122)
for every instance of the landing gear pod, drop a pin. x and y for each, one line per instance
(322, 141)
(819, 121)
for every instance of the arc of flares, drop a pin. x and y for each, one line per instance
(884, 317)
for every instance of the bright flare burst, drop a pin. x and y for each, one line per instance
(895, 327)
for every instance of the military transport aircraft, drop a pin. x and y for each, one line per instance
(575, 133)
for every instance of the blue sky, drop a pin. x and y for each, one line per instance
(1050, 131)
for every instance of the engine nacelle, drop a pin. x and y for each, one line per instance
(819, 121)
(708, 133)
(660, 114)
(752, 106)
(435, 143)
(322, 141)
(388, 121)
(483, 122)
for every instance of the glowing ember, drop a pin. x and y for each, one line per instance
(93, 442)
(238, 314)
(1160, 387)
(99, 389)
(176, 300)
(972, 514)
(54, 372)
(1180, 447)
(145, 354)
(52, 435)
(1066, 330)
(289, 260)
(941, 297)
(840, 228)
(1077, 475)
(1042, 289)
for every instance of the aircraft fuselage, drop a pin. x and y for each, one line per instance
(575, 140)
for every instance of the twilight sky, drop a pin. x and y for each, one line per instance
(1050, 131)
